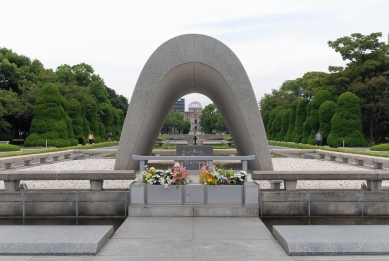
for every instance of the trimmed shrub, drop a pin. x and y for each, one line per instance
(76, 114)
(346, 124)
(59, 143)
(50, 122)
(292, 121)
(270, 130)
(265, 119)
(326, 112)
(277, 124)
(307, 125)
(381, 147)
(34, 140)
(285, 123)
(9, 147)
(301, 114)
(314, 117)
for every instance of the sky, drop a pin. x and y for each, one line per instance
(276, 40)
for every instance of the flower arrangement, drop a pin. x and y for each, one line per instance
(177, 175)
(220, 176)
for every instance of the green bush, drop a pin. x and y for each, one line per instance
(277, 125)
(314, 115)
(265, 119)
(34, 140)
(346, 124)
(326, 112)
(307, 125)
(270, 127)
(301, 114)
(381, 147)
(284, 124)
(160, 138)
(59, 143)
(9, 147)
(227, 138)
(292, 121)
(73, 142)
(51, 122)
(77, 116)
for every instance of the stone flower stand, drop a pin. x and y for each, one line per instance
(194, 199)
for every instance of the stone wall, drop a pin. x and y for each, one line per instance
(68, 203)
(324, 203)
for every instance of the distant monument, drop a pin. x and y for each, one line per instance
(193, 63)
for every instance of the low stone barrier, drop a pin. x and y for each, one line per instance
(320, 203)
(96, 177)
(373, 177)
(300, 152)
(64, 203)
(9, 162)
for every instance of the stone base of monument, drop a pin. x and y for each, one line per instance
(329, 240)
(53, 240)
(194, 199)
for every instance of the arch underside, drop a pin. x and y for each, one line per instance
(155, 95)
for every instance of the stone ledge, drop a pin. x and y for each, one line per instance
(53, 240)
(194, 211)
(330, 240)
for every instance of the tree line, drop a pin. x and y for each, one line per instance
(61, 106)
(175, 122)
(349, 103)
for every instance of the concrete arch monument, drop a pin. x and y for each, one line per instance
(187, 64)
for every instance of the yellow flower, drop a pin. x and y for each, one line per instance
(149, 175)
(152, 169)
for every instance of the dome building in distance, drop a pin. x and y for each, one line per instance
(195, 109)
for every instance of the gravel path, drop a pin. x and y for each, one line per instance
(278, 163)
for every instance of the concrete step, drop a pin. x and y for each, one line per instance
(53, 240)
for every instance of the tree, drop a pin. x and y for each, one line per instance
(78, 120)
(292, 120)
(307, 124)
(326, 111)
(211, 120)
(346, 124)
(374, 97)
(271, 135)
(301, 114)
(49, 121)
(168, 125)
(313, 117)
(186, 128)
(285, 124)
(367, 65)
(178, 121)
(277, 125)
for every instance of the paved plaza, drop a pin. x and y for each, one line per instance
(192, 238)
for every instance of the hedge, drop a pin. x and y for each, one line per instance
(346, 124)
(292, 121)
(301, 114)
(326, 112)
(9, 147)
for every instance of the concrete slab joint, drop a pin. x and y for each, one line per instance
(186, 64)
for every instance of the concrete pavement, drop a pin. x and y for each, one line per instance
(192, 238)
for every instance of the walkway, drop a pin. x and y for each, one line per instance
(187, 238)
